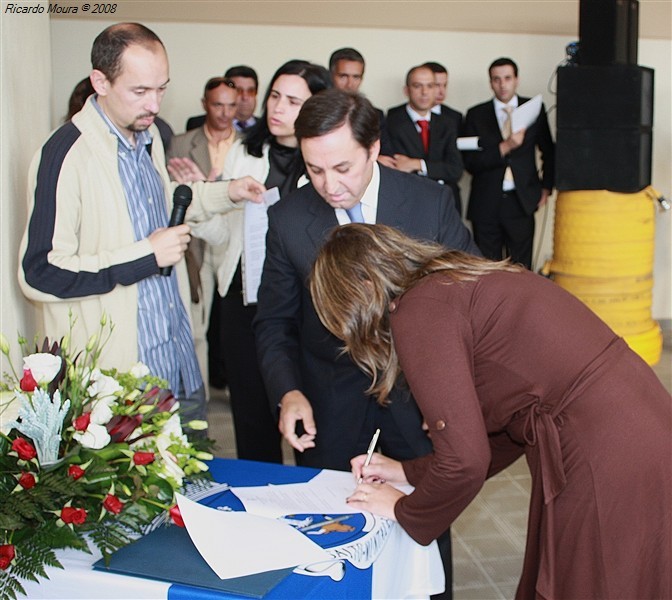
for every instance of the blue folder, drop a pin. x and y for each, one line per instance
(168, 554)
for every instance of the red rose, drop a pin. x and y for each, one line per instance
(6, 555)
(28, 383)
(176, 516)
(81, 423)
(76, 516)
(24, 449)
(75, 471)
(27, 480)
(143, 458)
(112, 504)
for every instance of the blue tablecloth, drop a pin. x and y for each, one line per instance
(402, 570)
(355, 585)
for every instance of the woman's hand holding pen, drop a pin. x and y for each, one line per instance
(374, 494)
(380, 469)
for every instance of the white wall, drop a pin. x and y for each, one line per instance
(24, 123)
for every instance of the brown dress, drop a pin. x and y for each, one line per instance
(510, 364)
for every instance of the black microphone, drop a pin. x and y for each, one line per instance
(181, 202)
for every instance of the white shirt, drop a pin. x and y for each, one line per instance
(369, 201)
(415, 117)
(500, 111)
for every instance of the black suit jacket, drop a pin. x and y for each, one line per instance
(487, 166)
(443, 159)
(194, 122)
(454, 115)
(295, 349)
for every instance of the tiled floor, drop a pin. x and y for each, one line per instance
(489, 536)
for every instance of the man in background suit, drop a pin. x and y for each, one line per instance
(439, 108)
(207, 146)
(307, 376)
(441, 90)
(346, 66)
(435, 156)
(506, 188)
(246, 82)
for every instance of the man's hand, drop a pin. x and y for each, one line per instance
(515, 140)
(544, 198)
(246, 188)
(406, 164)
(169, 244)
(387, 161)
(184, 170)
(295, 407)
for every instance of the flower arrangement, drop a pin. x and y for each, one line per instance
(87, 455)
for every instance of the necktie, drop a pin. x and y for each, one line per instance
(424, 133)
(506, 133)
(355, 213)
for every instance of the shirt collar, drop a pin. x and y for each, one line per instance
(436, 109)
(415, 117)
(142, 138)
(499, 105)
(240, 125)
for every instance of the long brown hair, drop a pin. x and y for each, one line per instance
(359, 270)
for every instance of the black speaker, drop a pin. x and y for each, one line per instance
(618, 160)
(608, 32)
(618, 96)
(604, 123)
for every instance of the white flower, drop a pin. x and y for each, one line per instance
(95, 437)
(101, 411)
(172, 428)
(43, 366)
(103, 386)
(103, 390)
(139, 370)
(171, 433)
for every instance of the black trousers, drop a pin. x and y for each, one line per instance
(257, 435)
(507, 233)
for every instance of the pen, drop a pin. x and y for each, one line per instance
(326, 522)
(369, 452)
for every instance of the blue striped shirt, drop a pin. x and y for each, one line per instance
(165, 343)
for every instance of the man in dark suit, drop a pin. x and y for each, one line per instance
(439, 108)
(506, 188)
(423, 142)
(441, 90)
(307, 376)
(346, 66)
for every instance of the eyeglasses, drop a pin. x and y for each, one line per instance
(215, 82)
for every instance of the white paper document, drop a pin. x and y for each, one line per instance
(468, 143)
(526, 114)
(236, 544)
(255, 227)
(325, 493)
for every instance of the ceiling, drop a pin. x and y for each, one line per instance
(556, 17)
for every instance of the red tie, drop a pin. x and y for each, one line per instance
(424, 133)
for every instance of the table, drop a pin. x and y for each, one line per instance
(404, 569)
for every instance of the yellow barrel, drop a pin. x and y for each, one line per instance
(603, 246)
